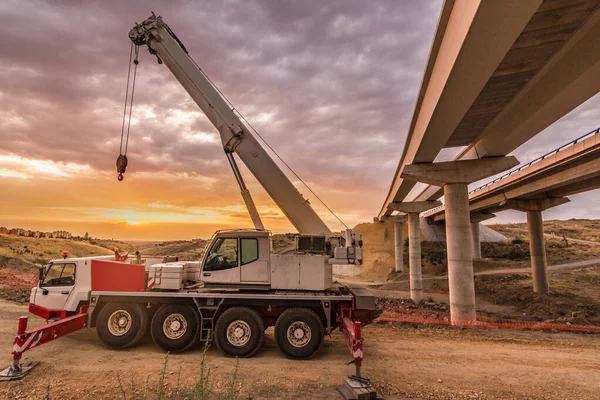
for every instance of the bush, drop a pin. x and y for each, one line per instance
(517, 253)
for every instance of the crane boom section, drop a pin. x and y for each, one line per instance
(235, 136)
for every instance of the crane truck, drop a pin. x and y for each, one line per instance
(238, 288)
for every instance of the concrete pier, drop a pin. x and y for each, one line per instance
(398, 221)
(535, 225)
(413, 209)
(414, 257)
(476, 218)
(398, 247)
(537, 251)
(454, 177)
(460, 249)
(475, 241)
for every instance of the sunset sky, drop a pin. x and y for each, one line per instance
(330, 85)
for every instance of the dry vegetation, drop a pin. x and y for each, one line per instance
(582, 229)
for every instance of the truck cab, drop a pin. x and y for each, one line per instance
(65, 283)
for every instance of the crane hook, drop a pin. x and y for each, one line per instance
(121, 166)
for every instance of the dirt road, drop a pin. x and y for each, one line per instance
(427, 363)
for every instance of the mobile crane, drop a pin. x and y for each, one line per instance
(315, 236)
(236, 290)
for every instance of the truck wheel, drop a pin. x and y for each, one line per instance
(239, 332)
(175, 327)
(299, 333)
(121, 325)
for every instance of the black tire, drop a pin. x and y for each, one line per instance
(175, 327)
(309, 337)
(121, 325)
(244, 320)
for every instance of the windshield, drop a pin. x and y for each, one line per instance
(62, 274)
(222, 255)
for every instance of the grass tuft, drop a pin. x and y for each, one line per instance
(199, 389)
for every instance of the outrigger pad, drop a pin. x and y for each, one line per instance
(11, 373)
(357, 388)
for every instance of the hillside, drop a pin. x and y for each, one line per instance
(581, 229)
(27, 254)
(20, 258)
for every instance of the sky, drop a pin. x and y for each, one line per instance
(330, 85)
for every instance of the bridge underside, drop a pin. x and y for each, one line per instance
(499, 72)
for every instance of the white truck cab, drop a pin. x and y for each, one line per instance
(65, 283)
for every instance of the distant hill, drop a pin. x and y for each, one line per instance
(27, 254)
(582, 229)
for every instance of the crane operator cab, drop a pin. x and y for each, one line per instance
(237, 256)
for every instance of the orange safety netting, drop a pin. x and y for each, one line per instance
(428, 317)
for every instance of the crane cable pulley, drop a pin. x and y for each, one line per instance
(122, 159)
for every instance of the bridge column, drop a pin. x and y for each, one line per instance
(537, 252)
(537, 247)
(476, 218)
(455, 176)
(399, 261)
(475, 240)
(413, 209)
(414, 257)
(398, 221)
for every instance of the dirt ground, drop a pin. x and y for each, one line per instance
(403, 362)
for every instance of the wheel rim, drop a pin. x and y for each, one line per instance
(299, 334)
(119, 322)
(175, 326)
(239, 333)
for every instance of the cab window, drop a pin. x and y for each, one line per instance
(249, 250)
(222, 255)
(59, 275)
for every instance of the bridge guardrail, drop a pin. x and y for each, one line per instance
(529, 164)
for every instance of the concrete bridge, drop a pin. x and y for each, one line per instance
(499, 72)
(533, 188)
